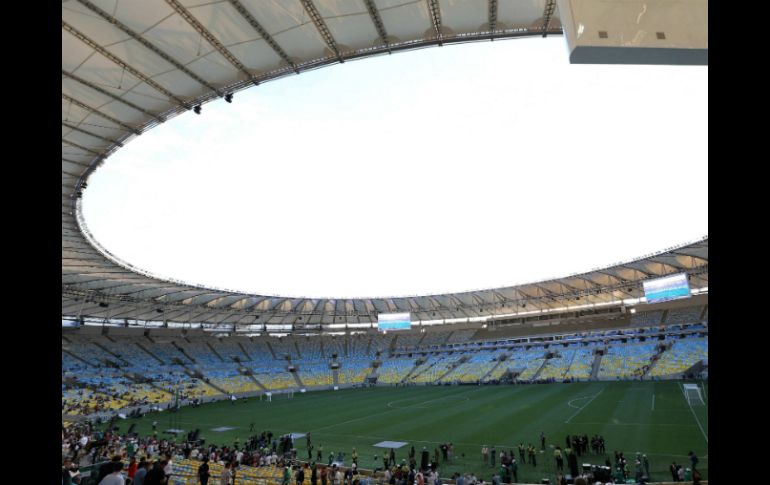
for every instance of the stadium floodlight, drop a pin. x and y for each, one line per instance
(229, 97)
(197, 109)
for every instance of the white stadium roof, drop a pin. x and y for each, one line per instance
(129, 66)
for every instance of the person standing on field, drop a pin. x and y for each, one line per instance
(559, 459)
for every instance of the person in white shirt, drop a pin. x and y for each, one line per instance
(227, 475)
(114, 478)
(169, 469)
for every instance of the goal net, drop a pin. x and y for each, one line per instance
(693, 394)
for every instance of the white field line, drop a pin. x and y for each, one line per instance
(694, 415)
(584, 406)
(577, 399)
(637, 424)
(388, 411)
(653, 402)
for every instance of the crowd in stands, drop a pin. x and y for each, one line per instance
(96, 371)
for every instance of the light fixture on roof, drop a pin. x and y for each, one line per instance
(197, 109)
(229, 97)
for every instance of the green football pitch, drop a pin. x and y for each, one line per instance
(647, 417)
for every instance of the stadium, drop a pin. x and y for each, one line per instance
(593, 377)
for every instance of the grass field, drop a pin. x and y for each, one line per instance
(649, 417)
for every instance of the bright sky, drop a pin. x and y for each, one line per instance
(445, 169)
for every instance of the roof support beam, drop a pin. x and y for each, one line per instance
(239, 320)
(435, 17)
(550, 7)
(377, 21)
(73, 175)
(75, 163)
(263, 33)
(97, 112)
(107, 93)
(297, 305)
(203, 31)
(617, 277)
(133, 311)
(117, 23)
(593, 284)
(319, 23)
(195, 316)
(318, 307)
(492, 15)
(101, 50)
(89, 150)
(632, 268)
(694, 257)
(71, 126)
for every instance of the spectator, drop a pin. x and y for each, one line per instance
(114, 478)
(693, 459)
(203, 472)
(227, 475)
(70, 473)
(107, 468)
(674, 473)
(156, 476)
(141, 472)
(132, 466)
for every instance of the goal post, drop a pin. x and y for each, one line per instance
(693, 395)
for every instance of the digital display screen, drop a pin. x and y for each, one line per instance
(394, 321)
(668, 288)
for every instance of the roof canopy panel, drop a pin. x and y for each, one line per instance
(127, 66)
